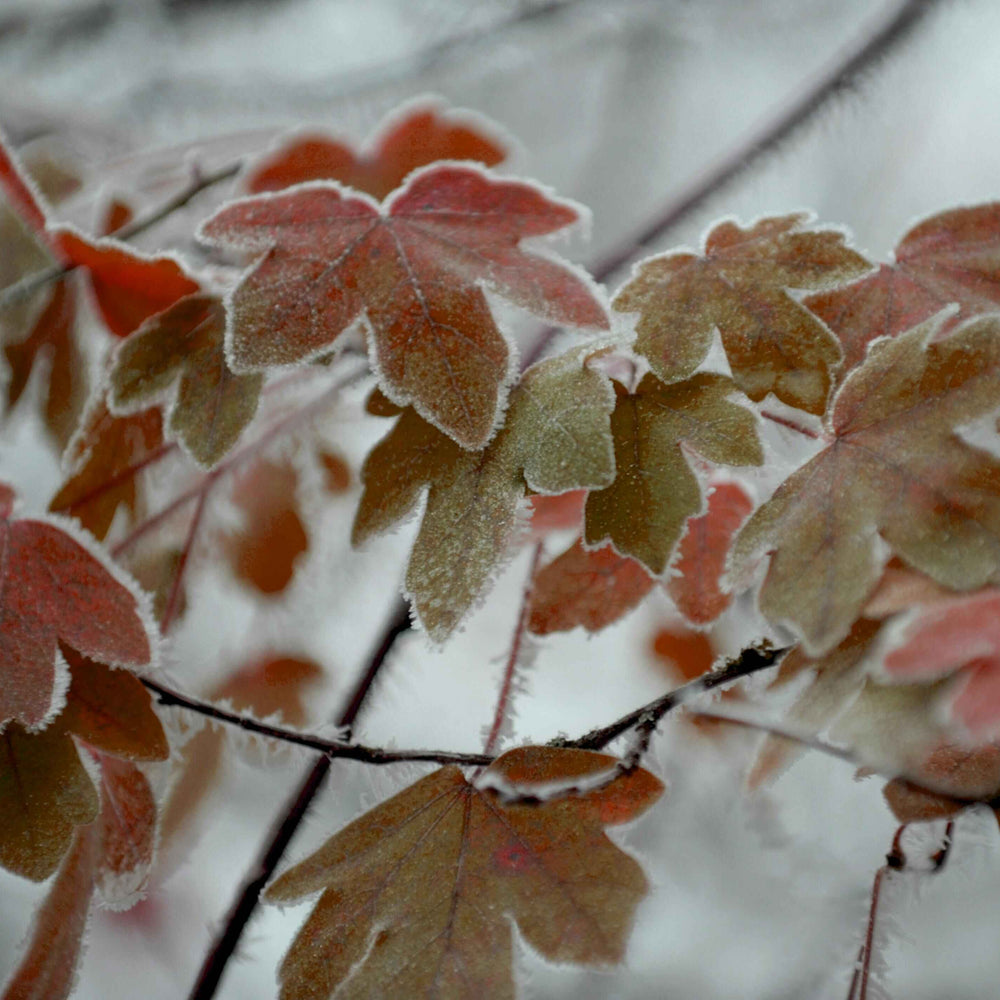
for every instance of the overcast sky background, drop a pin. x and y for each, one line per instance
(618, 105)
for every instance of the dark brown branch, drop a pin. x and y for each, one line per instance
(31, 283)
(291, 817)
(750, 661)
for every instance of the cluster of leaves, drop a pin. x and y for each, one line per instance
(882, 548)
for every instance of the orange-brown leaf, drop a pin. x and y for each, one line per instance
(105, 461)
(967, 772)
(179, 354)
(740, 286)
(416, 268)
(588, 587)
(420, 893)
(128, 832)
(52, 337)
(953, 257)
(265, 687)
(424, 136)
(896, 468)
(264, 552)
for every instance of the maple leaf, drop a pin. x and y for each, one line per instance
(104, 461)
(417, 270)
(52, 587)
(45, 793)
(741, 287)
(644, 511)
(419, 893)
(588, 587)
(184, 346)
(111, 855)
(948, 258)
(894, 467)
(422, 136)
(697, 570)
(556, 438)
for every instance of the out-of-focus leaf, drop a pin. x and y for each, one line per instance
(644, 511)
(741, 287)
(896, 468)
(588, 587)
(958, 635)
(272, 686)
(419, 894)
(416, 270)
(556, 438)
(183, 347)
(967, 772)
(695, 583)
(104, 463)
(53, 338)
(264, 551)
(425, 135)
(953, 257)
(836, 678)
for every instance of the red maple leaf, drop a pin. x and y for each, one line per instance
(52, 587)
(417, 269)
(422, 136)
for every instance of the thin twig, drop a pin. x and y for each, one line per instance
(177, 585)
(750, 661)
(895, 860)
(31, 283)
(291, 817)
(332, 749)
(513, 658)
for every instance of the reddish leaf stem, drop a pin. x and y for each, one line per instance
(792, 425)
(510, 670)
(895, 860)
(173, 600)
